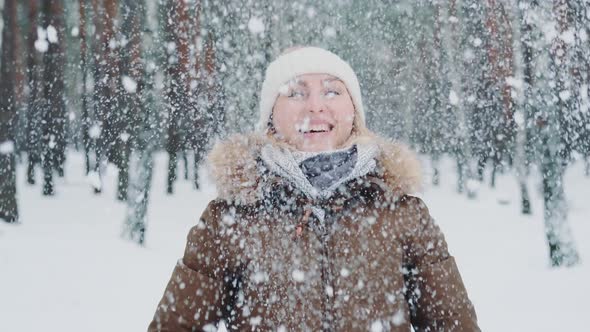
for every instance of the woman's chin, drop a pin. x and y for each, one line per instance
(316, 146)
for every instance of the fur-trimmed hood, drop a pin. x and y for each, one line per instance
(234, 168)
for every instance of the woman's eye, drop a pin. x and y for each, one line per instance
(332, 93)
(295, 94)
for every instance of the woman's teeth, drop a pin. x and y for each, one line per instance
(319, 128)
(306, 127)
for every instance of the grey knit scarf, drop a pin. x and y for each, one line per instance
(325, 169)
(318, 175)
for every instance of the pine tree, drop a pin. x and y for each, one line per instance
(555, 148)
(140, 106)
(177, 30)
(452, 37)
(84, 65)
(197, 139)
(520, 87)
(8, 201)
(54, 118)
(35, 97)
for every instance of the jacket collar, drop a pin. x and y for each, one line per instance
(234, 164)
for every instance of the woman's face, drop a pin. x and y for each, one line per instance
(314, 113)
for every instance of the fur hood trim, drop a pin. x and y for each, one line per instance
(233, 166)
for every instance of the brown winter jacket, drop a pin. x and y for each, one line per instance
(258, 259)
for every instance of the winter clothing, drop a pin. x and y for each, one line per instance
(325, 170)
(306, 60)
(282, 161)
(260, 259)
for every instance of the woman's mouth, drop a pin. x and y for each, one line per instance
(317, 131)
(319, 128)
(314, 129)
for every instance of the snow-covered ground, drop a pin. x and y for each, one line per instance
(65, 267)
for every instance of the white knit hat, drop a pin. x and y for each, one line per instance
(306, 60)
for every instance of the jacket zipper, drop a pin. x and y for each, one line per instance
(328, 317)
(323, 235)
(322, 232)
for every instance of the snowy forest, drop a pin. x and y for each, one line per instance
(497, 89)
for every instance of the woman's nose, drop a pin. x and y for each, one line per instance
(315, 103)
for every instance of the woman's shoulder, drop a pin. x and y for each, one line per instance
(411, 201)
(219, 210)
(410, 213)
(233, 167)
(219, 207)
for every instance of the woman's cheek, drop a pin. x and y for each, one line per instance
(349, 118)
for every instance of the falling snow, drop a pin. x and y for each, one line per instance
(52, 34)
(107, 128)
(41, 43)
(453, 98)
(298, 275)
(129, 84)
(377, 326)
(256, 25)
(6, 147)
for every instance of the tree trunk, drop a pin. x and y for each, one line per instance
(521, 63)
(8, 202)
(562, 251)
(106, 128)
(214, 90)
(196, 134)
(83, 8)
(198, 154)
(185, 164)
(500, 56)
(142, 140)
(559, 238)
(61, 123)
(20, 71)
(132, 81)
(54, 119)
(177, 68)
(495, 167)
(435, 169)
(586, 75)
(525, 201)
(436, 96)
(141, 166)
(115, 121)
(123, 176)
(580, 75)
(96, 128)
(463, 148)
(35, 97)
(172, 165)
(481, 166)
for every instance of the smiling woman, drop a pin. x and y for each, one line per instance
(314, 112)
(314, 227)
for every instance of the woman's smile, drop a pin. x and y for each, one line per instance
(314, 112)
(315, 129)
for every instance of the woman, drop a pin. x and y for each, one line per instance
(314, 228)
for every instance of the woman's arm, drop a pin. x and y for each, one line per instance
(436, 293)
(196, 294)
